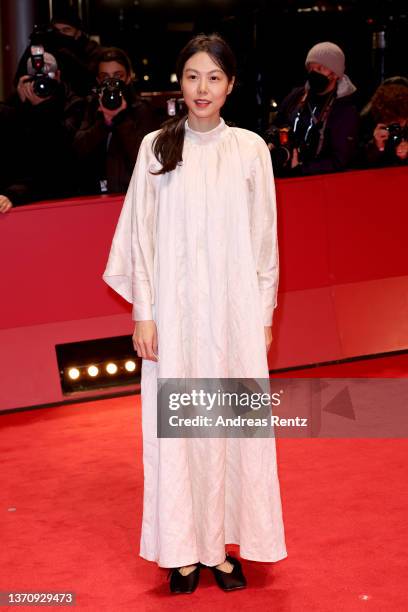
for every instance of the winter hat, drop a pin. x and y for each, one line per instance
(68, 16)
(329, 55)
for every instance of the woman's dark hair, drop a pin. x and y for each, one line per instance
(168, 144)
(390, 103)
(396, 80)
(378, 96)
(112, 54)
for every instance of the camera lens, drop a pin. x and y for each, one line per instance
(112, 94)
(43, 86)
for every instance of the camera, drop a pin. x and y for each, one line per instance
(283, 140)
(397, 134)
(43, 35)
(44, 83)
(175, 106)
(112, 93)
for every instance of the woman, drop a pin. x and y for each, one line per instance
(196, 252)
(384, 126)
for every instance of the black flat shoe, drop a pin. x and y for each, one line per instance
(233, 580)
(184, 584)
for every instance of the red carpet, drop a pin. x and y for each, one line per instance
(74, 476)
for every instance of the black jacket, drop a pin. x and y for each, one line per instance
(45, 166)
(109, 152)
(340, 133)
(10, 138)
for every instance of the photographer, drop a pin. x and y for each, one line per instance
(9, 137)
(114, 123)
(316, 127)
(48, 115)
(384, 133)
(65, 39)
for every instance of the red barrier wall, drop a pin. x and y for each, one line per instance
(343, 283)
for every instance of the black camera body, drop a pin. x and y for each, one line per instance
(112, 91)
(44, 83)
(44, 36)
(283, 140)
(397, 134)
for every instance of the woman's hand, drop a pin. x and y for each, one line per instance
(25, 90)
(381, 135)
(5, 204)
(294, 162)
(268, 338)
(23, 87)
(110, 114)
(402, 150)
(145, 340)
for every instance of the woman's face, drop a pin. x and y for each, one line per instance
(112, 70)
(205, 86)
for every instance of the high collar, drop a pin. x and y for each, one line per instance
(206, 137)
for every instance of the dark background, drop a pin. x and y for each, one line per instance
(270, 39)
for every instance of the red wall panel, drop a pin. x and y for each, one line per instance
(343, 280)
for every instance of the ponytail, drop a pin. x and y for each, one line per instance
(168, 144)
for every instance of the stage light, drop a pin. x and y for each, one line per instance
(146, 77)
(111, 368)
(173, 77)
(130, 366)
(145, 61)
(92, 365)
(93, 371)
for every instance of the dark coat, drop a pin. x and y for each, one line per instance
(109, 152)
(340, 134)
(10, 137)
(45, 166)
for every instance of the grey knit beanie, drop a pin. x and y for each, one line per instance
(329, 55)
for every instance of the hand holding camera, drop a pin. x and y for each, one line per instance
(110, 114)
(401, 150)
(41, 82)
(381, 135)
(111, 98)
(25, 90)
(392, 137)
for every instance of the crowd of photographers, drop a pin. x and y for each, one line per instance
(75, 122)
(318, 127)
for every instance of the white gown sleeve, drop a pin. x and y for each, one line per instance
(264, 230)
(130, 266)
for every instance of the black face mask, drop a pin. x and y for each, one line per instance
(318, 82)
(63, 41)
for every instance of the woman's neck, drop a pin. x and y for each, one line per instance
(203, 124)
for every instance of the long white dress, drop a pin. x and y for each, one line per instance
(196, 250)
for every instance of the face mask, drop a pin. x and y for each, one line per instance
(317, 81)
(64, 41)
